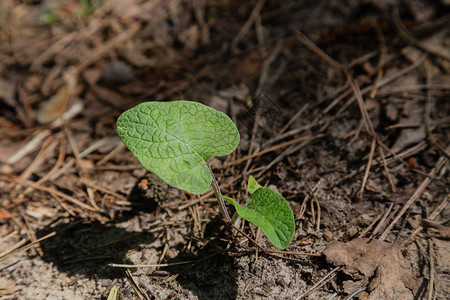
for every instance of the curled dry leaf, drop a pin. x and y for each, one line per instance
(391, 277)
(54, 107)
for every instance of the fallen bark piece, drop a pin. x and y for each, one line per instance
(389, 272)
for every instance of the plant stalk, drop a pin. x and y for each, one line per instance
(236, 220)
(217, 193)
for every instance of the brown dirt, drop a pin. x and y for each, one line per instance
(67, 71)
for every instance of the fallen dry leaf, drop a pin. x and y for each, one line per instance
(4, 215)
(7, 287)
(54, 107)
(409, 136)
(391, 277)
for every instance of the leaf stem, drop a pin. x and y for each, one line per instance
(217, 193)
(236, 219)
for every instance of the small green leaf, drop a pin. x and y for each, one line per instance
(269, 211)
(175, 140)
(252, 184)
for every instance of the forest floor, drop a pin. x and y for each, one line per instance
(342, 106)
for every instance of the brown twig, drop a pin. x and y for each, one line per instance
(321, 282)
(82, 172)
(382, 221)
(316, 201)
(139, 292)
(383, 82)
(294, 117)
(431, 260)
(386, 169)
(254, 14)
(436, 170)
(430, 135)
(433, 215)
(369, 164)
(407, 36)
(292, 149)
(18, 247)
(58, 164)
(274, 148)
(368, 228)
(48, 190)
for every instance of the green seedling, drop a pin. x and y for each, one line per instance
(49, 17)
(176, 140)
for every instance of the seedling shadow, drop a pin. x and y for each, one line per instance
(144, 198)
(212, 274)
(88, 248)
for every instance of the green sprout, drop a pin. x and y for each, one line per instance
(49, 17)
(176, 140)
(86, 9)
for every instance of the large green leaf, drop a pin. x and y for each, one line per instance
(269, 211)
(175, 140)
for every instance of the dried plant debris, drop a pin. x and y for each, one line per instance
(69, 68)
(381, 263)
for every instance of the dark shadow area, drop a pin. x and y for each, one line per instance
(145, 197)
(213, 275)
(88, 248)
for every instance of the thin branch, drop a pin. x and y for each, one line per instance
(436, 170)
(254, 14)
(369, 164)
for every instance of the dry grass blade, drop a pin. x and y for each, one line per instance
(368, 228)
(405, 34)
(427, 112)
(315, 201)
(382, 221)
(251, 20)
(139, 292)
(83, 173)
(18, 247)
(50, 191)
(59, 162)
(292, 149)
(292, 120)
(308, 43)
(321, 282)
(46, 150)
(436, 170)
(29, 147)
(15, 248)
(369, 164)
(153, 265)
(385, 81)
(386, 169)
(331, 103)
(431, 260)
(273, 148)
(107, 47)
(433, 215)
